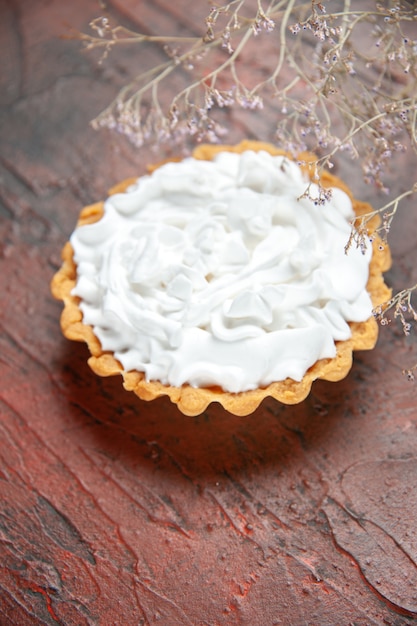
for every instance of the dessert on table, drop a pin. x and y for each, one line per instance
(223, 277)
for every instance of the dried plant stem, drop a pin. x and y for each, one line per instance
(284, 19)
(329, 92)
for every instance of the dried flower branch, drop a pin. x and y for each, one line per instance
(405, 312)
(342, 87)
(375, 223)
(402, 306)
(331, 89)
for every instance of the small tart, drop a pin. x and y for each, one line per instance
(193, 400)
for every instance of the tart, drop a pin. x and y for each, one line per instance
(217, 278)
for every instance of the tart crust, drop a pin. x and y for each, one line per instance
(191, 400)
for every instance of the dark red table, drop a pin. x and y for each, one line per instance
(115, 511)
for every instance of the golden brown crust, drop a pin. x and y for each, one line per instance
(192, 401)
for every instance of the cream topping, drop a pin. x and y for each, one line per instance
(218, 273)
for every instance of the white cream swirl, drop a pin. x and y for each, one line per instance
(215, 273)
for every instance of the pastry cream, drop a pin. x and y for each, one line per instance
(219, 273)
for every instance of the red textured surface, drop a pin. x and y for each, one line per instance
(116, 511)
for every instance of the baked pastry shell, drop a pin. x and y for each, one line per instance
(193, 401)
